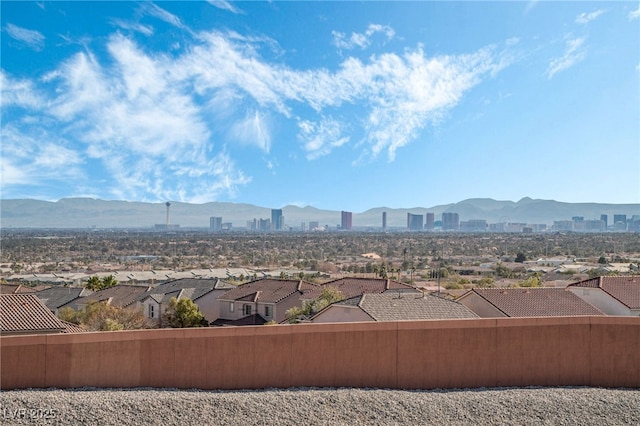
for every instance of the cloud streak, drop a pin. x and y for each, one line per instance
(224, 5)
(361, 40)
(33, 39)
(573, 54)
(585, 18)
(165, 127)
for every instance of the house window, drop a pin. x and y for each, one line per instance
(151, 311)
(231, 307)
(267, 311)
(247, 309)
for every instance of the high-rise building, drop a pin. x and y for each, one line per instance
(314, 225)
(620, 218)
(277, 220)
(346, 220)
(620, 222)
(450, 221)
(415, 222)
(474, 225)
(431, 221)
(215, 223)
(605, 219)
(384, 221)
(264, 225)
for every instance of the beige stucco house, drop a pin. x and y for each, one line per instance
(612, 295)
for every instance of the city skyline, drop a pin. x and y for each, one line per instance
(92, 213)
(340, 106)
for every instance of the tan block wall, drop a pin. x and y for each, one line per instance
(577, 351)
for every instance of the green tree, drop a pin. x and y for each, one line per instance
(99, 316)
(94, 283)
(486, 282)
(503, 271)
(532, 281)
(382, 272)
(109, 281)
(520, 257)
(328, 296)
(69, 315)
(183, 313)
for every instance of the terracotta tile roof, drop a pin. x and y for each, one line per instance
(625, 289)
(268, 290)
(15, 289)
(185, 288)
(394, 306)
(201, 285)
(55, 297)
(352, 287)
(70, 327)
(119, 295)
(165, 298)
(26, 314)
(537, 302)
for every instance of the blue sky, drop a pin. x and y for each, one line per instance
(338, 105)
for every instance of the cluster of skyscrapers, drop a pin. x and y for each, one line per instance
(450, 222)
(416, 222)
(620, 224)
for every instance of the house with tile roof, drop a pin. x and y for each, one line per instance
(393, 306)
(55, 297)
(24, 313)
(352, 287)
(203, 291)
(268, 298)
(613, 295)
(122, 296)
(526, 302)
(15, 289)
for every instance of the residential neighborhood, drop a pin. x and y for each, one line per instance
(393, 306)
(272, 301)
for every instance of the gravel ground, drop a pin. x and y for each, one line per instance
(505, 406)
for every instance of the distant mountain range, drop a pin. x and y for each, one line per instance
(88, 212)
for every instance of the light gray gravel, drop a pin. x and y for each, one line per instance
(505, 406)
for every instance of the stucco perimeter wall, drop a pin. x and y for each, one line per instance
(577, 351)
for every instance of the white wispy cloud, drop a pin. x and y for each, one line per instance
(33, 156)
(573, 54)
(321, 138)
(252, 129)
(33, 39)
(585, 18)
(224, 5)
(634, 14)
(156, 11)
(133, 26)
(140, 122)
(361, 40)
(21, 93)
(150, 118)
(403, 93)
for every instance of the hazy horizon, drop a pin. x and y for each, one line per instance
(372, 207)
(335, 105)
